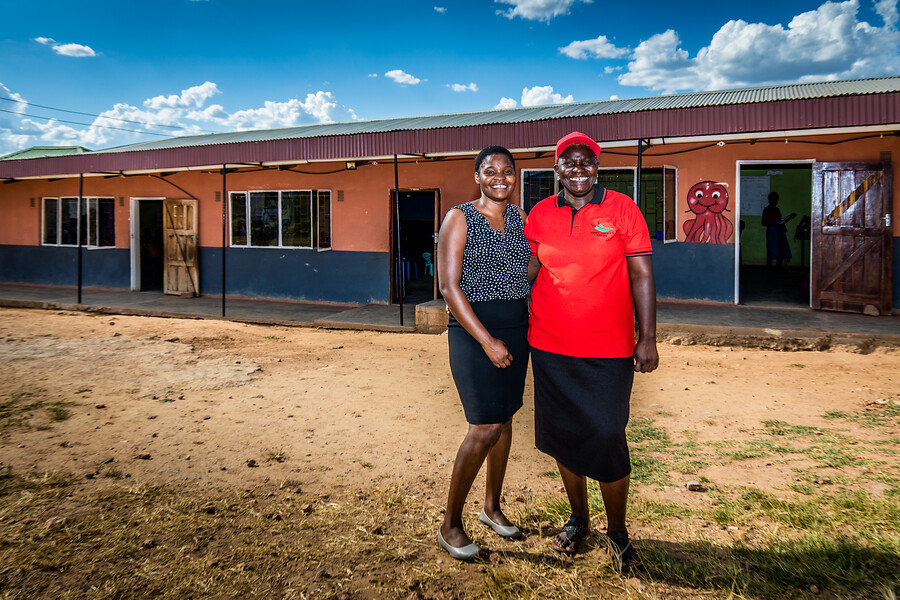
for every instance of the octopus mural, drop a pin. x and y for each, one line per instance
(708, 200)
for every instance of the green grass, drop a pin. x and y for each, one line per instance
(744, 454)
(737, 541)
(641, 429)
(58, 413)
(21, 407)
(778, 567)
(648, 469)
(876, 417)
(780, 428)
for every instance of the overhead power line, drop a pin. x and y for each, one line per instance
(75, 112)
(12, 112)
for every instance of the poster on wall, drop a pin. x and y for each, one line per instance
(754, 194)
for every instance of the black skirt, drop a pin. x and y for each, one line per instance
(491, 395)
(581, 408)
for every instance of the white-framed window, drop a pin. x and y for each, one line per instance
(536, 185)
(281, 219)
(657, 201)
(61, 223)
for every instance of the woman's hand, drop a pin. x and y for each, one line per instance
(646, 357)
(498, 353)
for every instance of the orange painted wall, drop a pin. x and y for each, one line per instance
(21, 222)
(719, 163)
(361, 221)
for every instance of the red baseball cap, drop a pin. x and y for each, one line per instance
(576, 137)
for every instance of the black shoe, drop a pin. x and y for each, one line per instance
(574, 531)
(624, 552)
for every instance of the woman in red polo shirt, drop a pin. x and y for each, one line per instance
(592, 258)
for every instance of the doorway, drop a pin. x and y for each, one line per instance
(148, 245)
(773, 263)
(416, 216)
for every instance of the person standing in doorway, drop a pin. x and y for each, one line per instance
(591, 255)
(483, 261)
(777, 247)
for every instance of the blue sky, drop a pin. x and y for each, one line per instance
(177, 67)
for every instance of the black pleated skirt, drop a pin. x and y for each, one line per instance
(491, 395)
(581, 408)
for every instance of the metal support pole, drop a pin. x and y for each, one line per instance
(399, 269)
(78, 230)
(637, 185)
(224, 232)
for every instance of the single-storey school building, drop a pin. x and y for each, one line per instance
(349, 212)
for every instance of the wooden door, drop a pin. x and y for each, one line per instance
(851, 237)
(181, 275)
(434, 238)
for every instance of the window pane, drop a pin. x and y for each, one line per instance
(263, 218)
(106, 222)
(51, 216)
(536, 185)
(92, 221)
(652, 201)
(323, 223)
(296, 218)
(619, 180)
(669, 176)
(69, 221)
(238, 219)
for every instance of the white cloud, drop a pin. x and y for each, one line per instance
(401, 77)
(76, 50)
(823, 44)
(461, 87)
(536, 96)
(185, 113)
(373, 75)
(613, 97)
(194, 97)
(610, 70)
(598, 48)
(887, 10)
(537, 10)
(440, 9)
(19, 105)
(320, 107)
(543, 94)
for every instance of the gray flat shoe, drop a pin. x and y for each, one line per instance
(507, 531)
(465, 553)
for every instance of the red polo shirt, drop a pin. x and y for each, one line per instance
(581, 301)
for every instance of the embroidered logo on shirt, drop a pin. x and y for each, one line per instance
(602, 230)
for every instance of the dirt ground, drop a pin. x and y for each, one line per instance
(212, 407)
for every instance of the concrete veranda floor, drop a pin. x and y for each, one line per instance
(672, 316)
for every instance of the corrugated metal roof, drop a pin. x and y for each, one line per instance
(799, 91)
(821, 106)
(44, 152)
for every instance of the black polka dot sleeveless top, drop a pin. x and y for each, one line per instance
(495, 265)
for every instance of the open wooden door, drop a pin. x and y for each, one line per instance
(851, 237)
(181, 273)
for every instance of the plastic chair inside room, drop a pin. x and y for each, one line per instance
(429, 266)
(410, 268)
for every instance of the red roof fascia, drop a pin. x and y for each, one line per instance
(840, 111)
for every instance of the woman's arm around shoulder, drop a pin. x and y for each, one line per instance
(534, 265)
